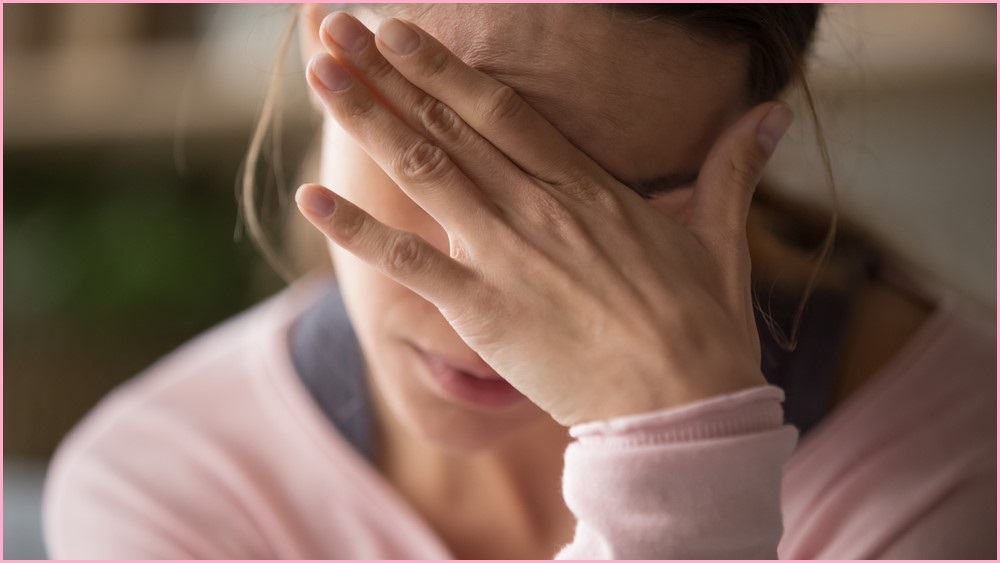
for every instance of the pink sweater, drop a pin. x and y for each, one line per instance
(219, 452)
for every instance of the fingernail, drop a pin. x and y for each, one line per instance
(773, 127)
(329, 72)
(398, 36)
(316, 200)
(346, 31)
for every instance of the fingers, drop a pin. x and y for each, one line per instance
(490, 107)
(403, 256)
(422, 169)
(352, 43)
(732, 170)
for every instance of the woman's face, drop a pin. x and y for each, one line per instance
(643, 99)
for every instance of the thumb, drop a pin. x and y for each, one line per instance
(733, 168)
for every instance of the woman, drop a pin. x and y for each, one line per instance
(538, 221)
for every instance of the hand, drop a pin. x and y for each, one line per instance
(583, 296)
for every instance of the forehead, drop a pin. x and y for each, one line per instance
(641, 97)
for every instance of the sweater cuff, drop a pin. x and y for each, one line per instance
(698, 481)
(747, 411)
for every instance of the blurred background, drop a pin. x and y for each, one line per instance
(125, 127)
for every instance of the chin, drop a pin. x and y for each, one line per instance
(454, 427)
(409, 400)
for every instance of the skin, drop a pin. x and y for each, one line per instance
(528, 221)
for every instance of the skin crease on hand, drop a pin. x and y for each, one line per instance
(647, 100)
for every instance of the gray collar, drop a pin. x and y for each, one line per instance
(328, 361)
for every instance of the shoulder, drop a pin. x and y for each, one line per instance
(174, 463)
(903, 449)
(961, 524)
(196, 389)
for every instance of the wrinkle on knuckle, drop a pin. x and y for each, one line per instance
(501, 104)
(424, 163)
(555, 217)
(349, 226)
(439, 120)
(589, 192)
(550, 209)
(743, 173)
(404, 253)
(356, 107)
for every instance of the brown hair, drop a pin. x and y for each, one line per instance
(246, 182)
(777, 36)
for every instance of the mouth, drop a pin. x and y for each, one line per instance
(470, 383)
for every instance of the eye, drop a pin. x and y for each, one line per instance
(661, 187)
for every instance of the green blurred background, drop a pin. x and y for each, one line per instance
(111, 258)
(125, 128)
(120, 215)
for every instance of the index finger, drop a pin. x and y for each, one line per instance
(492, 108)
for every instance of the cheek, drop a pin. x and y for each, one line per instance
(350, 172)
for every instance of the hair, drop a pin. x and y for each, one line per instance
(777, 37)
(269, 120)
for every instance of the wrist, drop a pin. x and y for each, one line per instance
(631, 396)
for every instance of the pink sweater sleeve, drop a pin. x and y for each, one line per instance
(700, 481)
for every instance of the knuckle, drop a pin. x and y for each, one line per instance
(434, 63)
(404, 254)
(589, 192)
(349, 226)
(570, 177)
(550, 209)
(743, 172)
(557, 218)
(438, 119)
(357, 106)
(501, 104)
(424, 163)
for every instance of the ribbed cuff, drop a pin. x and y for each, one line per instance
(747, 411)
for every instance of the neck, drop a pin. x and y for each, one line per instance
(504, 502)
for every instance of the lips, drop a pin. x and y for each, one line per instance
(467, 382)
